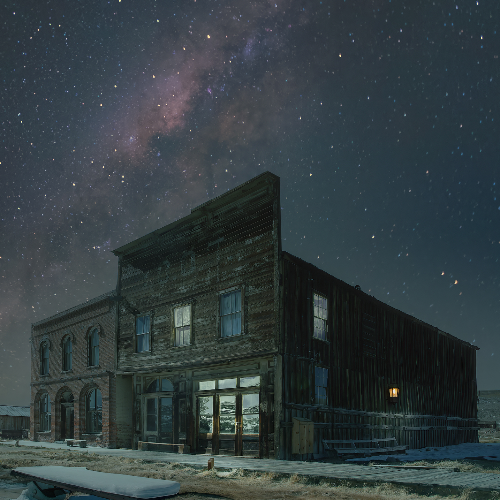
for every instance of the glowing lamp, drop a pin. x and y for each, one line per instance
(393, 394)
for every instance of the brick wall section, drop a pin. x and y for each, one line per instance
(77, 322)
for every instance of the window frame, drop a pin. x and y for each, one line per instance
(143, 334)
(92, 413)
(93, 350)
(44, 366)
(325, 320)
(238, 288)
(45, 417)
(67, 366)
(324, 376)
(174, 327)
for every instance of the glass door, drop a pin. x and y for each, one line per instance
(228, 425)
(250, 424)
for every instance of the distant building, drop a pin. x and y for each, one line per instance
(14, 421)
(223, 342)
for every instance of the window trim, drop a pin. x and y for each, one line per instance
(316, 398)
(48, 413)
(174, 328)
(241, 287)
(324, 296)
(149, 334)
(91, 361)
(89, 412)
(44, 346)
(65, 340)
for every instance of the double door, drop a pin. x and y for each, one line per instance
(229, 424)
(158, 419)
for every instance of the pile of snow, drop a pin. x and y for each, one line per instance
(487, 451)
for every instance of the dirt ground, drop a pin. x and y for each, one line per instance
(201, 484)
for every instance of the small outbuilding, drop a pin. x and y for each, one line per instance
(14, 421)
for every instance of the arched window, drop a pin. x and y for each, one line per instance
(159, 385)
(45, 413)
(44, 358)
(93, 406)
(67, 354)
(94, 348)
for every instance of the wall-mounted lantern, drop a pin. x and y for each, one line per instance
(393, 394)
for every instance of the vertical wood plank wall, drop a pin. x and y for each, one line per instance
(370, 347)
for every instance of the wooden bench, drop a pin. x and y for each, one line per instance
(55, 481)
(364, 447)
(82, 443)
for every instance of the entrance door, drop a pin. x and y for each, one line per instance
(250, 424)
(67, 416)
(158, 419)
(228, 424)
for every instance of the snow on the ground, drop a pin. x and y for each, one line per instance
(487, 451)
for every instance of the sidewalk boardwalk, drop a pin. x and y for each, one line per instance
(426, 478)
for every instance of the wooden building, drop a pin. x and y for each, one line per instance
(14, 421)
(223, 343)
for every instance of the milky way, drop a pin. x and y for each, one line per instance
(380, 118)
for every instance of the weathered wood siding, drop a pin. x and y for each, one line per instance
(230, 242)
(217, 248)
(370, 347)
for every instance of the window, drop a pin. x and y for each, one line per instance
(67, 354)
(45, 413)
(44, 358)
(142, 329)
(182, 325)
(206, 385)
(94, 411)
(227, 383)
(94, 348)
(230, 313)
(159, 385)
(320, 317)
(250, 411)
(206, 412)
(321, 384)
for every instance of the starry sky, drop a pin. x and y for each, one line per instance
(380, 116)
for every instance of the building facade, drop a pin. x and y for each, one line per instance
(222, 341)
(72, 374)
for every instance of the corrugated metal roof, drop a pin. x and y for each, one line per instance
(15, 411)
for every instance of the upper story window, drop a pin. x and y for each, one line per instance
(230, 313)
(93, 407)
(94, 347)
(321, 385)
(182, 325)
(45, 413)
(142, 333)
(44, 358)
(67, 354)
(320, 316)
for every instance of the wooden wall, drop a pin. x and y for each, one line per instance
(230, 242)
(371, 346)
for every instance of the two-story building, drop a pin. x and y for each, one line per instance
(223, 342)
(72, 374)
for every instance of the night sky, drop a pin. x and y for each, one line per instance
(381, 118)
